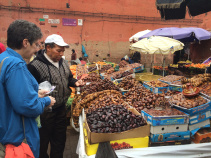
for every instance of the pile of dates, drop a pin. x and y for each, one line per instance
(100, 85)
(105, 67)
(113, 119)
(167, 111)
(181, 100)
(92, 77)
(206, 88)
(121, 75)
(90, 69)
(127, 83)
(123, 63)
(141, 98)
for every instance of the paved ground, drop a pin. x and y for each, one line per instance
(71, 143)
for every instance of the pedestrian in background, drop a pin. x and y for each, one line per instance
(18, 88)
(50, 66)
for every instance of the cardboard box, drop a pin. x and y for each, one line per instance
(156, 89)
(205, 123)
(200, 117)
(138, 69)
(180, 142)
(175, 88)
(202, 136)
(193, 111)
(142, 131)
(165, 120)
(91, 149)
(170, 136)
(168, 129)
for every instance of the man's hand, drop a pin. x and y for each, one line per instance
(80, 83)
(42, 93)
(53, 101)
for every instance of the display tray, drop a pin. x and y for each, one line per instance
(142, 131)
(170, 136)
(180, 142)
(168, 129)
(138, 69)
(165, 120)
(196, 110)
(164, 81)
(205, 95)
(200, 117)
(120, 79)
(156, 89)
(174, 87)
(91, 149)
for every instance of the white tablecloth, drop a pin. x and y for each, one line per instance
(179, 151)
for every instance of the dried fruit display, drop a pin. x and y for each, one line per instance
(105, 68)
(206, 88)
(90, 69)
(176, 82)
(123, 63)
(134, 65)
(168, 111)
(128, 82)
(80, 70)
(113, 119)
(119, 74)
(171, 78)
(181, 100)
(92, 77)
(196, 80)
(118, 146)
(81, 102)
(157, 83)
(140, 98)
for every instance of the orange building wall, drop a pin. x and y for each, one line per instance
(107, 25)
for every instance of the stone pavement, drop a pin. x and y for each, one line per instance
(71, 143)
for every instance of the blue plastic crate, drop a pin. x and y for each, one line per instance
(138, 69)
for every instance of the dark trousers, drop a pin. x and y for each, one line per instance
(53, 130)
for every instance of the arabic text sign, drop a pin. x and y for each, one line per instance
(69, 22)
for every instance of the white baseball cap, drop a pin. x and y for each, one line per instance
(57, 39)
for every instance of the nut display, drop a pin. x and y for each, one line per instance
(206, 88)
(113, 119)
(171, 78)
(181, 100)
(80, 70)
(127, 83)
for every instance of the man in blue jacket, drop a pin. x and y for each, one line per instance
(18, 88)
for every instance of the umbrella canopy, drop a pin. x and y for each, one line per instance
(188, 34)
(157, 45)
(137, 35)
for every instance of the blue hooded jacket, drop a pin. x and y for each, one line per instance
(19, 97)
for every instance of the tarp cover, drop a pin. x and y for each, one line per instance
(169, 4)
(197, 7)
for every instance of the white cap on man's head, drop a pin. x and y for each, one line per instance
(57, 39)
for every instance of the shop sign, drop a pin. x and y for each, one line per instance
(45, 16)
(53, 21)
(41, 19)
(69, 22)
(80, 22)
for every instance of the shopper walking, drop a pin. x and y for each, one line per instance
(50, 66)
(18, 88)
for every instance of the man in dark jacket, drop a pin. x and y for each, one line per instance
(50, 66)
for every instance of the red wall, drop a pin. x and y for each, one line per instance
(107, 25)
